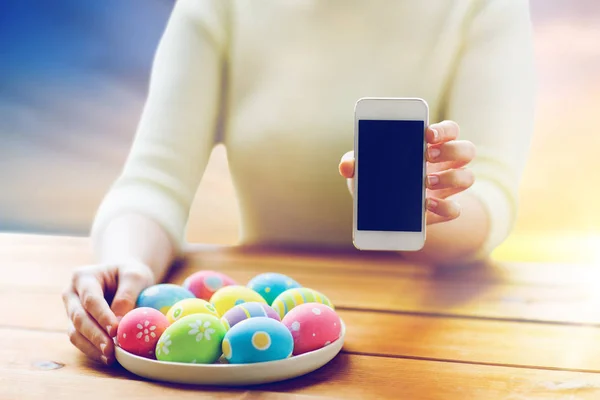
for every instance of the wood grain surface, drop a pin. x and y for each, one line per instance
(489, 331)
(348, 376)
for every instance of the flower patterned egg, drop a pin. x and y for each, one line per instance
(247, 310)
(313, 326)
(291, 298)
(140, 329)
(228, 297)
(256, 340)
(163, 296)
(190, 306)
(270, 285)
(195, 338)
(205, 283)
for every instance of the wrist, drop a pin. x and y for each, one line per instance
(136, 240)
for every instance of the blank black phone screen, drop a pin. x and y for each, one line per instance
(390, 160)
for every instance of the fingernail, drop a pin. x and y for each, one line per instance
(433, 180)
(103, 347)
(109, 329)
(434, 153)
(436, 135)
(432, 204)
(104, 360)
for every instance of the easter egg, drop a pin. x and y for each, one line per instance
(190, 306)
(195, 338)
(291, 298)
(228, 297)
(205, 283)
(247, 310)
(163, 296)
(313, 326)
(140, 329)
(257, 339)
(270, 285)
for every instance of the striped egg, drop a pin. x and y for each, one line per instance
(291, 298)
(247, 310)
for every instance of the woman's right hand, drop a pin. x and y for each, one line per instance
(96, 300)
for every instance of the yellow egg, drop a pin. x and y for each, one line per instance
(228, 297)
(190, 306)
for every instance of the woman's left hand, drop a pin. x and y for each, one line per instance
(447, 174)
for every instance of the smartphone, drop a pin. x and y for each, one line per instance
(389, 174)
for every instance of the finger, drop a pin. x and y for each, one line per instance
(459, 179)
(442, 132)
(87, 326)
(445, 208)
(444, 193)
(346, 166)
(433, 219)
(92, 299)
(86, 347)
(458, 153)
(131, 284)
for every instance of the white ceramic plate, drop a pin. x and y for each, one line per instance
(230, 374)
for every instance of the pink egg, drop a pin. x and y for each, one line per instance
(313, 326)
(205, 283)
(140, 329)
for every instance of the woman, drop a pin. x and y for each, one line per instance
(276, 82)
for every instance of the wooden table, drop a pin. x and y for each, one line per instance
(513, 331)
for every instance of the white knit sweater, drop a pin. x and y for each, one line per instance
(276, 81)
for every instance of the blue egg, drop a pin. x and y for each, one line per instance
(257, 339)
(162, 296)
(270, 285)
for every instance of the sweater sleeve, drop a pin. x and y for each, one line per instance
(492, 99)
(177, 129)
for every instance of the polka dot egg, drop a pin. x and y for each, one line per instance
(247, 310)
(270, 285)
(162, 296)
(313, 326)
(204, 284)
(140, 329)
(195, 338)
(228, 297)
(291, 298)
(190, 306)
(256, 340)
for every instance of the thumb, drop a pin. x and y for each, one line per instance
(346, 166)
(131, 284)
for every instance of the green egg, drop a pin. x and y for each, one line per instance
(196, 338)
(291, 298)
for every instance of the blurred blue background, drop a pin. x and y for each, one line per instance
(73, 75)
(78, 42)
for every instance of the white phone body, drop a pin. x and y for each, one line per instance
(393, 110)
